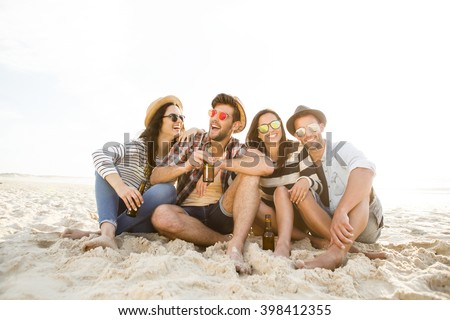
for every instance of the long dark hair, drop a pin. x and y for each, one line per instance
(252, 139)
(151, 134)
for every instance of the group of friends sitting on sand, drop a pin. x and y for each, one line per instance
(312, 187)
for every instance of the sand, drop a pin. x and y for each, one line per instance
(35, 263)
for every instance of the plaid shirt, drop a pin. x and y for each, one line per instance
(181, 152)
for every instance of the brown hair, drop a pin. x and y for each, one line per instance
(252, 140)
(151, 134)
(223, 98)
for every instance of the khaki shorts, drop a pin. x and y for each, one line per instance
(373, 229)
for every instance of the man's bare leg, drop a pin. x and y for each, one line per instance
(242, 198)
(335, 256)
(320, 222)
(172, 222)
(105, 240)
(258, 223)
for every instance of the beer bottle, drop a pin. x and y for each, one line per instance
(133, 213)
(208, 172)
(268, 235)
(208, 169)
(147, 172)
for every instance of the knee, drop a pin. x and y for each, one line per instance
(162, 193)
(281, 192)
(308, 202)
(165, 219)
(249, 181)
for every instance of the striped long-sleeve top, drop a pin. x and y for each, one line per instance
(128, 160)
(298, 165)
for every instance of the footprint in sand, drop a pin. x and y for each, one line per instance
(47, 239)
(440, 283)
(44, 243)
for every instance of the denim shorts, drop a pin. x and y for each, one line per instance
(373, 229)
(214, 216)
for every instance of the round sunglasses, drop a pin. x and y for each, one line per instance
(264, 128)
(174, 117)
(222, 115)
(312, 128)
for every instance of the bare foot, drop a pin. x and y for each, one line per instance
(320, 243)
(333, 258)
(282, 250)
(238, 259)
(376, 255)
(75, 233)
(101, 241)
(370, 255)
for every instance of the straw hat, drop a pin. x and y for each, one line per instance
(242, 116)
(155, 105)
(303, 111)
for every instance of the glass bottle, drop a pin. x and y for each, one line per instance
(208, 172)
(133, 213)
(208, 169)
(147, 172)
(268, 235)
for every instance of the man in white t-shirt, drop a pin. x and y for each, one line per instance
(347, 210)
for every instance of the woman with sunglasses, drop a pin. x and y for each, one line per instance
(122, 168)
(288, 184)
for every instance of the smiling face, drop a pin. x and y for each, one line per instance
(169, 127)
(311, 138)
(272, 135)
(220, 130)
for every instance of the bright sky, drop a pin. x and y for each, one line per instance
(77, 74)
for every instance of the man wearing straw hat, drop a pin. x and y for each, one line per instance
(222, 210)
(347, 210)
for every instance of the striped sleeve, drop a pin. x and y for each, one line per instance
(127, 160)
(105, 159)
(315, 183)
(308, 170)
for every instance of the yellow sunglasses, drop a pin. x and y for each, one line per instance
(264, 128)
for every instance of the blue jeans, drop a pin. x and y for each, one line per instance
(112, 209)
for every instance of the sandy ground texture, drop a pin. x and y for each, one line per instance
(35, 263)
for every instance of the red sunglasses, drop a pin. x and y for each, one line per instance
(222, 115)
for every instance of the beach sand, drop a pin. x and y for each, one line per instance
(35, 263)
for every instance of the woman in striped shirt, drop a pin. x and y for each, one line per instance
(290, 182)
(120, 170)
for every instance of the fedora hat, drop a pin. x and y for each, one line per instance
(158, 103)
(302, 111)
(242, 116)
